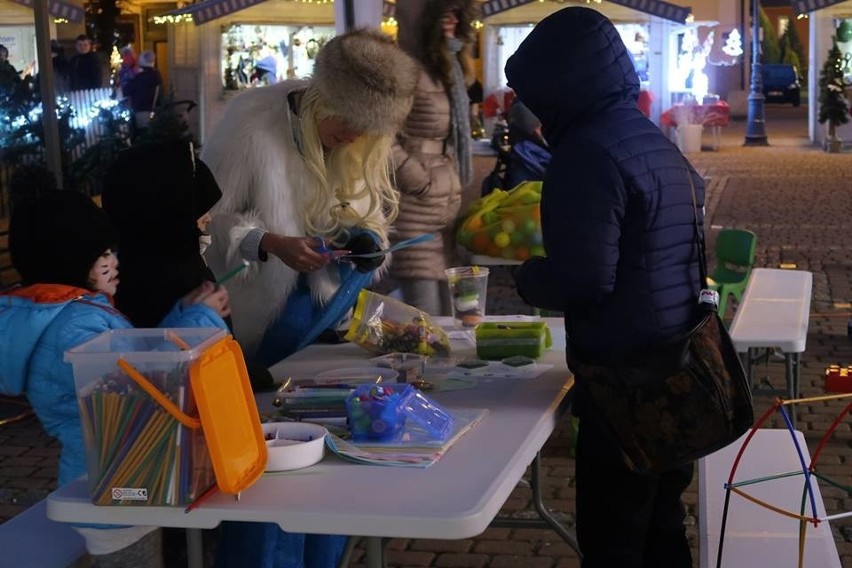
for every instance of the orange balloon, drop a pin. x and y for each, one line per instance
(536, 213)
(493, 250)
(522, 252)
(479, 242)
(474, 223)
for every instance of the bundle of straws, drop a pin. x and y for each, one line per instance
(134, 444)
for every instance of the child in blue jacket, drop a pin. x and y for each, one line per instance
(63, 246)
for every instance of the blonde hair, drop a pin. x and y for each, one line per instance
(346, 174)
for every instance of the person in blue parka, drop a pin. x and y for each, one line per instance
(619, 231)
(63, 247)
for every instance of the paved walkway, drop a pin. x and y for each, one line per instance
(795, 197)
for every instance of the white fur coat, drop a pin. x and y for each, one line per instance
(253, 155)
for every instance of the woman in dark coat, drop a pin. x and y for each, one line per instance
(618, 229)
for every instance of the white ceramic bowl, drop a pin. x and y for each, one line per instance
(294, 445)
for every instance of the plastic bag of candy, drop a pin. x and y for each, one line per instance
(382, 325)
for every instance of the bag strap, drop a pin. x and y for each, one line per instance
(699, 236)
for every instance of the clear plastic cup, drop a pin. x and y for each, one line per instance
(468, 287)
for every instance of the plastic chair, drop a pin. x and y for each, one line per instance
(735, 251)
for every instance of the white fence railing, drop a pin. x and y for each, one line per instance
(86, 111)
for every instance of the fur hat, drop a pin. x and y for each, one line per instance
(366, 80)
(57, 237)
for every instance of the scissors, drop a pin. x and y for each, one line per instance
(333, 255)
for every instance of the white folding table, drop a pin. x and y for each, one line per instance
(754, 535)
(774, 313)
(456, 498)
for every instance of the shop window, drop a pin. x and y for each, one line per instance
(256, 55)
(635, 38)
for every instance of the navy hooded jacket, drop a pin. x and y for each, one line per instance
(617, 210)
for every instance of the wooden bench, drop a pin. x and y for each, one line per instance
(31, 540)
(754, 535)
(774, 314)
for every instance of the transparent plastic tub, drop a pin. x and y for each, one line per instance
(390, 413)
(142, 419)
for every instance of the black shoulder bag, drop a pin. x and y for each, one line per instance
(681, 400)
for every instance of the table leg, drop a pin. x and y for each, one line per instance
(746, 360)
(194, 549)
(791, 364)
(546, 518)
(375, 548)
(347, 552)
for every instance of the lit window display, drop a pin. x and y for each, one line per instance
(843, 34)
(687, 77)
(634, 36)
(256, 55)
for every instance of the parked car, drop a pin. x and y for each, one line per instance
(781, 84)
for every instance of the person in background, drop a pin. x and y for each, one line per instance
(304, 168)
(476, 96)
(433, 153)
(144, 90)
(10, 78)
(128, 68)
(60, 66)
(529, 153)
(84, 67)
(622, 264)
(63, 246)
(266, 71)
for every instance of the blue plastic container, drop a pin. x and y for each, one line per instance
(396, 412)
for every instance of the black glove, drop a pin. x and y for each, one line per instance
(364, 244)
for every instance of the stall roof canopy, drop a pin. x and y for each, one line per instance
(203, 12)
(59, 9)
(805, 6)
(207, 10)
(665, 10)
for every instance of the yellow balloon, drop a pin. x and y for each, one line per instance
(502, 239)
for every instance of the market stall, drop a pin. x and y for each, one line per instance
(220, 53)
(644, 29)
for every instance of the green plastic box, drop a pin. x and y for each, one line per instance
(498, 340)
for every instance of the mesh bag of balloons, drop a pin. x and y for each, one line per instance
(504, 224)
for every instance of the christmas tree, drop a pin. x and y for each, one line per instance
(832, 100)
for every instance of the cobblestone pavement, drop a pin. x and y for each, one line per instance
(794, 196)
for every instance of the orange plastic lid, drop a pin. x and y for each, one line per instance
(229, 416)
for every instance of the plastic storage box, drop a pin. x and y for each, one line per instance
(166, 413)
(386, 413)
(498, 340)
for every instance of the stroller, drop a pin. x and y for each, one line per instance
(524, 158)
(524, 161)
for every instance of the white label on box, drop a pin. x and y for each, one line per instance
(129, 494)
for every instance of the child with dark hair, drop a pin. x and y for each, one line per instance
(63, 246)
(155, 195)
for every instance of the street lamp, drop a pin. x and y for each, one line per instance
(756, 125)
